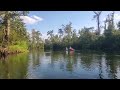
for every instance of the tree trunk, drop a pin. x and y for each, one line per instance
(6, 32)
(105, 26)
(113, 20)
(98, 25)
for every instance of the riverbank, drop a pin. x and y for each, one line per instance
(15, 49)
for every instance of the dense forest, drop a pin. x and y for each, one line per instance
(14, 35)
(87, 38)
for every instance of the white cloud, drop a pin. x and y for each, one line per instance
(31, 20)
(37, 18)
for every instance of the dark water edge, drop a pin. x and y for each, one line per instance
(61, 65)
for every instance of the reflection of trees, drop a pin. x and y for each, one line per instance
(99, 58)
(14, 67)
(112, 64)
(36, 56)
(65, 61)
(55, 57)
(86, 60)
(71, 61)
(47, 54)
(69, 65)
(89, 59)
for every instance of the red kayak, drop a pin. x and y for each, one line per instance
(71, 49)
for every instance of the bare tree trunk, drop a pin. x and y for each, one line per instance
(105, 26)
(97, 15)
(98, 25)
(113, 19)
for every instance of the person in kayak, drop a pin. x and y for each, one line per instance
(66, 49)
(71, 49)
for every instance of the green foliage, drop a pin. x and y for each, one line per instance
(6, 19)
(19, 48)
(16, 32)
(36, 42)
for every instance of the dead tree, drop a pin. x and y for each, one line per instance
(97, 16)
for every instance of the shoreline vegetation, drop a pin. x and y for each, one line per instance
(12, 50)
(13, 33)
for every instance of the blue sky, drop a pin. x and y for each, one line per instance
(44, 21)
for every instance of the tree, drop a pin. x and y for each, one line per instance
(33, 38)
(6, 17)
(97, 16)
(68, 30)
(105, 22)
(18, 29)
(86, 38)
(109, 21)
(50, 33)
(60, 31)
(37, 42)
(112, 19)
(38, 39)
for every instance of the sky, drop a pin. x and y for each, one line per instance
(44, 21)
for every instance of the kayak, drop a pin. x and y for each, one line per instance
(71, 49)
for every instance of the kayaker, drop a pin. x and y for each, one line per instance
(66, 49)
(71, 49)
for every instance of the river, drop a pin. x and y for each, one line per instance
(60, 65)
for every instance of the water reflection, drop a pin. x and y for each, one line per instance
(14, 67)
(112, 63)
(61, 65)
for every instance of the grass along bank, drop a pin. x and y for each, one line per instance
(17, 49)
(14, 49)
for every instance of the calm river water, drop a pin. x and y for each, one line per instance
(60, 65)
